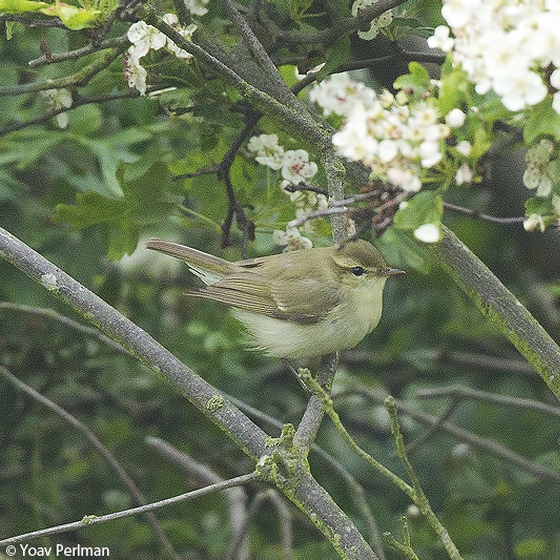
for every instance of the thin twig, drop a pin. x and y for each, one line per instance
(413, 446)
(33, 21)
(493, 447)
(137, 496)
(420, 498)
(479, 215)
(94, 519)
(464, 393)
(77, 101)
(52, 314)
(78, 53)
(79, 78)
(305, 187)
(259, 52)
(237, 497)
(356, 489)
(338, 207)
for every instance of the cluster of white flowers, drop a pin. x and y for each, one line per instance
(394, 139)
(295, 168)
(144, 38)
(339, 94)
(505, 46)
(377, 24)
(295, 165)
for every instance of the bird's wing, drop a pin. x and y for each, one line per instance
(303, 301)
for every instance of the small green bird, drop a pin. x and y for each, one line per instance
(298, 304)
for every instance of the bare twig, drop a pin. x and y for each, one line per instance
(413, 446)
(356, 489)
(77, 101)
(33, 20)
(481, 216)
(79, 78)
(237, 497)
(137, 496)
(338, 207)
(52, 314)
(78, 53)
(305, 187)
(500, 307)
(420, 498)
(498, 450)
(259, 52)
(94, 519)
(464, 393)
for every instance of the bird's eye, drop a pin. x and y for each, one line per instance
(357, 270)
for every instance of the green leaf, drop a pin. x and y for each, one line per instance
(531, 548)
(21, 6)
(75, 18)
(336, 55)
(538, 205)
(417, 80)
(123, 219)
(542, 120)
(425, 208)
(454, 90)
(288, 73)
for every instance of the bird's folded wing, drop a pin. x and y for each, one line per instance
(303, 301)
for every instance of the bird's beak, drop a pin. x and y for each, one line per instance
(391, 271)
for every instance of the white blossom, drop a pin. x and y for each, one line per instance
(296, 166)
(441, 39)
(197, 7)
(455, 118)
(534, 222)
(464, 174)
(144, 37)
(464, 147)
(339, 94)
(291, 239)
(404, 178)
(135, 74)
(58, 99)
(268, 151)
(540, 173)
(428, 233)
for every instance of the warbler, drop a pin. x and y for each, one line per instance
(298, 304)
